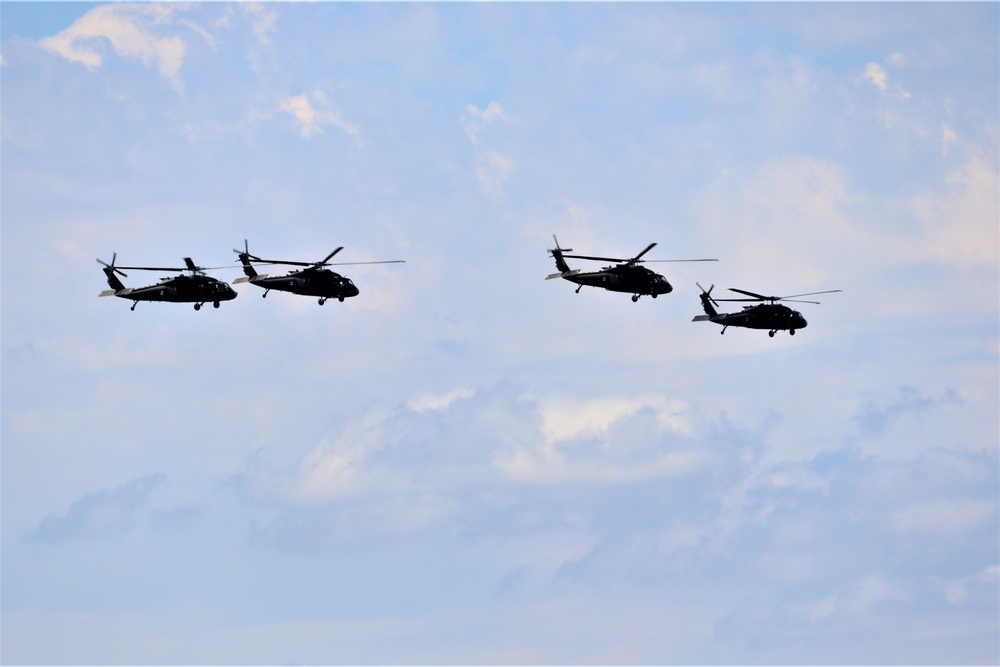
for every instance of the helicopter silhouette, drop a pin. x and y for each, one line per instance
(627, 276)
(314, 280)
(767, 315)
(196, 288)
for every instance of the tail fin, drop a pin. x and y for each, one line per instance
(113, 281)
(245, 258)
(110, 271)
(557, 254)
(708, 303)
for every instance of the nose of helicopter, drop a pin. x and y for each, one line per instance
(662, 286)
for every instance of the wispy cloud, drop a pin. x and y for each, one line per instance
(132, 31)
(874, 420)
(960, 222)
(492, 168)
(875, 74)
(313, 113)
(474, 119)
(102, 514)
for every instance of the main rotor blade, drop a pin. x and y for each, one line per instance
(597, 259)
(792, 296)
(657, 261)
(155, 268)
(176, 268)
(288, 263)
(753, 294)
(648, 248)
(327, 258)
(314, 264)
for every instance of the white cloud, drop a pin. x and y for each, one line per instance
(564, 419)
(262, 18)
(876, 76)
(962, 226)
(132, 31)
(312, 115)
(596, 441)
(493, 170)
(475, 119)
(428, 402)
(948, 139)
(944, 516)
(785, 224)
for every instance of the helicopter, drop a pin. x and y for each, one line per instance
(196, 288)
(314, 280)
(626, 277)
(766, 315)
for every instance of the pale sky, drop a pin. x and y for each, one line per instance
(468, 463)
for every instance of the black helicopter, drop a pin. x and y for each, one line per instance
(314, 280)
(626, 277)
(196, 288)
(767, 315)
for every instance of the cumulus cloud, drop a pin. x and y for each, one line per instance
(134, 32)
(450, 442)
(501, 458)
(315, 112)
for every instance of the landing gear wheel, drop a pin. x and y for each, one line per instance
(791, 332)
(341, 299)
(322, 300)
(635, 297)
(215, 303)
(771, 334)
(134, 304)
(197, 306)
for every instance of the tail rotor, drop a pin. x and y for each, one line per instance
(110, 268)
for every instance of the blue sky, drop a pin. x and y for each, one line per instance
(467, 463)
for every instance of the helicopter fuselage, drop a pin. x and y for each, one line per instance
(197, 289)
(772, 316)
(323, 283)
(623, 278)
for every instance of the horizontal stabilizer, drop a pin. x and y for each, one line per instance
(702, 318)
(562, 274)
(116, 292)
(248, 279)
